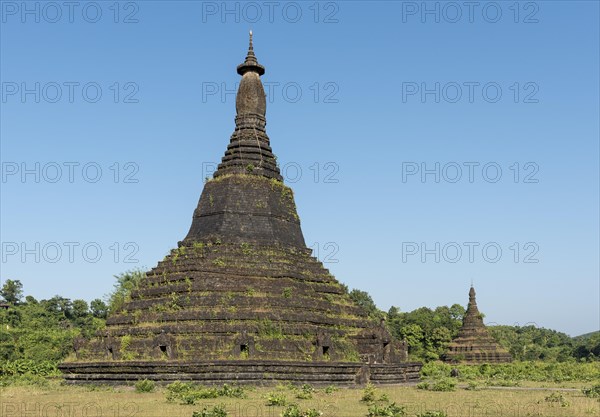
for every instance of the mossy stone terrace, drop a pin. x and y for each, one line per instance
(241, 298)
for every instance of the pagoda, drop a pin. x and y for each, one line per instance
(474, 344)
(242, 299)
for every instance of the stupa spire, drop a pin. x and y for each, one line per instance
(246, 203)
(249, 151)
(472, 314)
(251, 63)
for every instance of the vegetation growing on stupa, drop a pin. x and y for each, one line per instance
(38, 334)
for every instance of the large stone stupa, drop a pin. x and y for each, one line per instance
(474, 344)
(242, 299)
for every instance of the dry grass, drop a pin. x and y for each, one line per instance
(57, 400)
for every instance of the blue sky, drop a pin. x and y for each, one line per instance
(133, 105)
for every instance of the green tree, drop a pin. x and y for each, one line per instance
(58, 306)
(12, 291)
(30, 300)
(364, 300)
(80, 309)
(393, 313)
(126, 282)
(99, 308)
(587, 346)
(457, 312)
(534, 343)
(413, 334)
(427, 331)
(13, 317)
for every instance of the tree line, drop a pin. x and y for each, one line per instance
(44, 330)
(429, 331)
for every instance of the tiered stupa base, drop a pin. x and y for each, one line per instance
(241, 372)
(476, 352)
(214, 313)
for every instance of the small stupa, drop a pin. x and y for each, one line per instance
(474, 344)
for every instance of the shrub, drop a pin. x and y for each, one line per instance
(293, 410)
(192, 397)
(556, 398)
(502, 383)
(435, 370)
(28, 366)
(275, 399)
(330, 389)
(177, 389)
(145, 385)
(188, 399)
(592, 392)
(444, 384)
(423, 385)
(432, 414)
(369, 393)
(217, 411)
(287, 386)
(305, 392)
(219, 262)
(536, 371)
(390, 410)
(473, 386)
(25, 380)
(232, 391)
(188, 393)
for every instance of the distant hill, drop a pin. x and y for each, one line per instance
(587, 335)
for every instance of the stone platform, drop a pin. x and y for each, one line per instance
(240, 372)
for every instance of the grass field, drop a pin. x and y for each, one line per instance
(57, 400)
